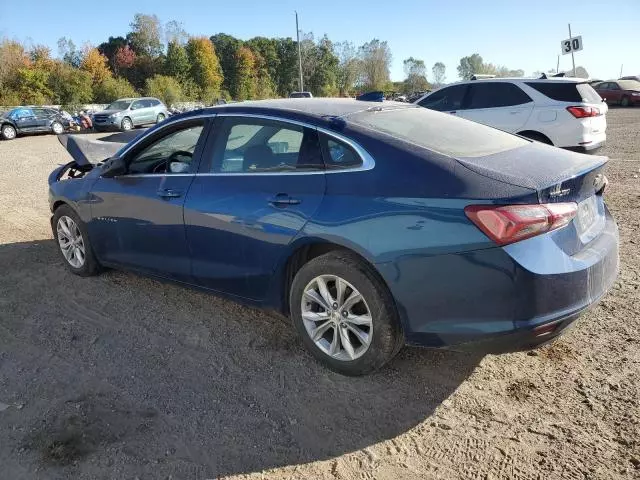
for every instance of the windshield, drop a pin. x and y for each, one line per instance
(629, 84)
(119, 105)
(439, 132)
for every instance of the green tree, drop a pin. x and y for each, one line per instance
(416, 72)
(145, 36)
(111, 89)
(226, 47)
(286, 79)
(70, 86)
(176, 63)
(438, 71)
(348, 68)
(69, 53)
(267, 49)
(205, 67)
(110, 49)
(470, 65)
(32, 86)
(143, 67)
(375, 58)
(167, 89)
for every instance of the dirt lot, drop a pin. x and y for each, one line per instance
(123, 377)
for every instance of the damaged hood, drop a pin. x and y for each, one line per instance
(89, 151)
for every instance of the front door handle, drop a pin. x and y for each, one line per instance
(169, 193)
(283, 200)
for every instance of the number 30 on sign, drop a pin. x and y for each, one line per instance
(573, 44)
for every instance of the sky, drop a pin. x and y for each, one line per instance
(518, 34)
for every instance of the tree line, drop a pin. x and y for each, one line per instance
(164, 61)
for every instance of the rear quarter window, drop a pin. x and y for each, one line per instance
(567, 91)
(439, 132)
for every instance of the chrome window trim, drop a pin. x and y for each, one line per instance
(368, 163)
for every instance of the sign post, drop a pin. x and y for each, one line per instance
(571, 45)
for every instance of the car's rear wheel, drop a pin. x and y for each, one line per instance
(160, 117)
(624, 102)
(57, 128)
(345, 314)
(73, 242)
(8, 132)
(537, 137)
(126, 124)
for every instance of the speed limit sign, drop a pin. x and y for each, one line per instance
(573, 44)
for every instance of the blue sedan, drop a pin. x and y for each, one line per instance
(371, 225)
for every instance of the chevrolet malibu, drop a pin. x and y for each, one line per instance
(371, 225)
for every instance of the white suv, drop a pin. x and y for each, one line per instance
(564, 112)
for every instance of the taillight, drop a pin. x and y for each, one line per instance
(506, 224)
(583, 112)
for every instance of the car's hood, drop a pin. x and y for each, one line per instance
(86, 150)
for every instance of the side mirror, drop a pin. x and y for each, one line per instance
(114, 168)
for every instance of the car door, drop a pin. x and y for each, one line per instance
(43, 117)
(137, 217)
(501, 105)
(139, 112)
(615, 92)
(25, 120)
(447, 99)
(259, 183)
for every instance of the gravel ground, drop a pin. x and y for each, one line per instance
(120, 376)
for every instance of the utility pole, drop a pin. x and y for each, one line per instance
(558, 65)
(299, 53)
(620, 76)
(573, 60)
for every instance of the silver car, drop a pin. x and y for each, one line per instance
(127, 113)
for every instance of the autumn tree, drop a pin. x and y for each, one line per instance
(123, 59)
(245, 81)
(111, 47)
(95, 64)
(205, 67)
(146, 34)
(112, 89)
(226, 47)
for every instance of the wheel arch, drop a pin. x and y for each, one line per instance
(536, 135)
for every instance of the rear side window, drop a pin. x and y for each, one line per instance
(338, 155)
(438, 132)
(495, 94)
(567, 91)
(446, 99)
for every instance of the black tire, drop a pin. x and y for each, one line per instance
(57, 128)
(126, 124)
(624, 102)
(90, 265)
(8, 132)
(160, 117)
(537, 137)
(387, 338)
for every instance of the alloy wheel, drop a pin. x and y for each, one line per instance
(126, 124)
(9, 132)
(71, 241)
(336, 317)
(160, 118)
(57, 128)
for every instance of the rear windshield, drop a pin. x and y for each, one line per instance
(439, 132)
(567, 91)
(629, 84)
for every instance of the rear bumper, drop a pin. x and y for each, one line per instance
(501, 299)
(591, 147)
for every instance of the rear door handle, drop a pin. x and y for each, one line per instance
(169, 193)
(282, 200)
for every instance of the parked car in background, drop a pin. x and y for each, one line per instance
(300, 95)
(564, 112)
(23, 120)
(631, 77)
(127, 113)
(372, 225)
(620, 92)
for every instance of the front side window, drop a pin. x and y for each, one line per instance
(445, 99)
(494, 95)
(259, 146)
(119, 105)
(138, 104)
(172, 153)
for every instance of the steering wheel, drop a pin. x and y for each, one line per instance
(163, 167)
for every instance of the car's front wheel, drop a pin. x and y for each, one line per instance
(73, 242)
(57, 128)
(160, 118)
(126, 124)
(625, 101)
(8, 132)
(345, 314)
